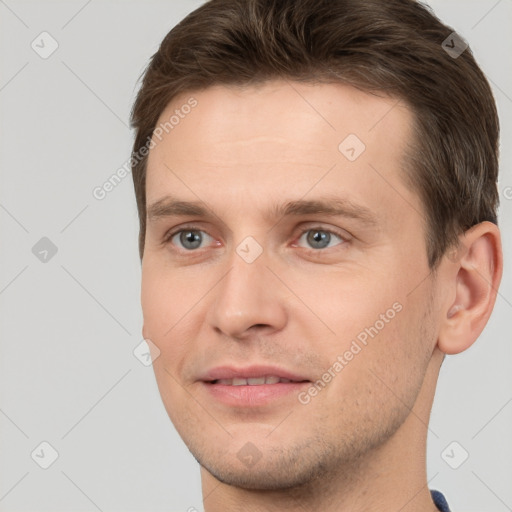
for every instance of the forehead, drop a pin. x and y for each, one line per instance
(282, 108)
(280, 138)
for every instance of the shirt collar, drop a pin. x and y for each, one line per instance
(440, 501)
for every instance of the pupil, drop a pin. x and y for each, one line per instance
(191, 239)
(319, 238)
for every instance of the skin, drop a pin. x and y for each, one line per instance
(360, 443)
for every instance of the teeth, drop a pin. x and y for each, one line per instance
(256, 381)
(252, 381)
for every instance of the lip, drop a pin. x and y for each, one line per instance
(247, 372)
(247, 396)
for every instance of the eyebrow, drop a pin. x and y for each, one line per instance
(169, 206)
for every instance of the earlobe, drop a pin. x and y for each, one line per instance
(475, 276)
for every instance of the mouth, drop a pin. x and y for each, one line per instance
(252, 386)
(253, 381)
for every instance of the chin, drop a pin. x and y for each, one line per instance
(264, 479)
(277, 469)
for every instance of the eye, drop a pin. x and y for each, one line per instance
(318, 238)
(189, 239)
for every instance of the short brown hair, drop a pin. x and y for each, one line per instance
(389, 46)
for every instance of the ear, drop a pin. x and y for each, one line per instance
(474, 273)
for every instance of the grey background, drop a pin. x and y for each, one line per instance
(69, 326)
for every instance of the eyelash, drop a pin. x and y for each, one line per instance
(169, 236)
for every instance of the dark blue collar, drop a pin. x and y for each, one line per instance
(440, 501)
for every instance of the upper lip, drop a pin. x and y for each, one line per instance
(247, 372)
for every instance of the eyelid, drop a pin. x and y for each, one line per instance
(342, 233)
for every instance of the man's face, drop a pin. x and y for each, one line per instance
(265, 281)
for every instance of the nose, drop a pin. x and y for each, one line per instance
(249, 300)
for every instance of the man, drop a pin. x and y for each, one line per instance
(316, 184)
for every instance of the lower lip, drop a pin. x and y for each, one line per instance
(252, 396)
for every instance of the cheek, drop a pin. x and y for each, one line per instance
(353, 305)
(166, 305)
(377, 328)
(166, 297)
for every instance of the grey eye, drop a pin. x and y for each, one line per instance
(318, 239)
(190, 239)
(321, 238)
